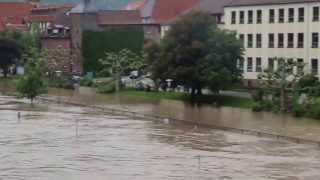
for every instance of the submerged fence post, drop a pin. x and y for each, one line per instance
(77, 128)
(199, 162)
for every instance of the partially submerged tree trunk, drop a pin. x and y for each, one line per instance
(196, 91)
(117, 81)
(199, 91)
(283, 90)
(283, 100)
(193, 92)
(5, 72)
(31, 100)
(157, 84)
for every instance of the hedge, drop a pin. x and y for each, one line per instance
(96, 43)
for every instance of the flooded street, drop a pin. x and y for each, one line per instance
(54, 141)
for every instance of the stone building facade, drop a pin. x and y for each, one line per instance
(57, 48)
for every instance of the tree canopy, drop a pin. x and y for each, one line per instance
(12, 45)
(33, 82)
(197, 54)
(119, 62)
(281, 82)
(9, 54)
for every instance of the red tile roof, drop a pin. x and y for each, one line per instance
(53, 7)
(15, 9)
(162, 11)
(212, 6)
(118, 17)
(13, 20)
(135, 5)
(41, 18)
(165, 10)
(18, 27)
(52, 13)
(13, 15)
(2, 25)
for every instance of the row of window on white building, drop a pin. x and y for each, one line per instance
(283, 15)
(293, 40)
(251, 64)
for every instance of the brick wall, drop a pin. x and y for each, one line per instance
(58, 60)
(54, 43)
(59, 56)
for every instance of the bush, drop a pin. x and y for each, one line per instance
(104, 73)
(257, 95)
(257, 107)
(86, 81)
(308, 81)
(65, 82)
(312, 91)
(32, 83)
(264, 106)
(106, 88)
(313, 110)
(297, 110)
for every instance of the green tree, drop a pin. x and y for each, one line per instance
(220, 64)
(308, 81)
(197, 54)
(9, 54)
(152, 55)
(13, 44)
(282, 81)
(119, 62)
(33, 82)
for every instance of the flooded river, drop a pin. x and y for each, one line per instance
(54, 142)
(281, 124)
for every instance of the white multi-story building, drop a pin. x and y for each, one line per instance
(269, 29)
(276, 28)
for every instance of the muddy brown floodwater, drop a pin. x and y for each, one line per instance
(280, 124)
(55, 141)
